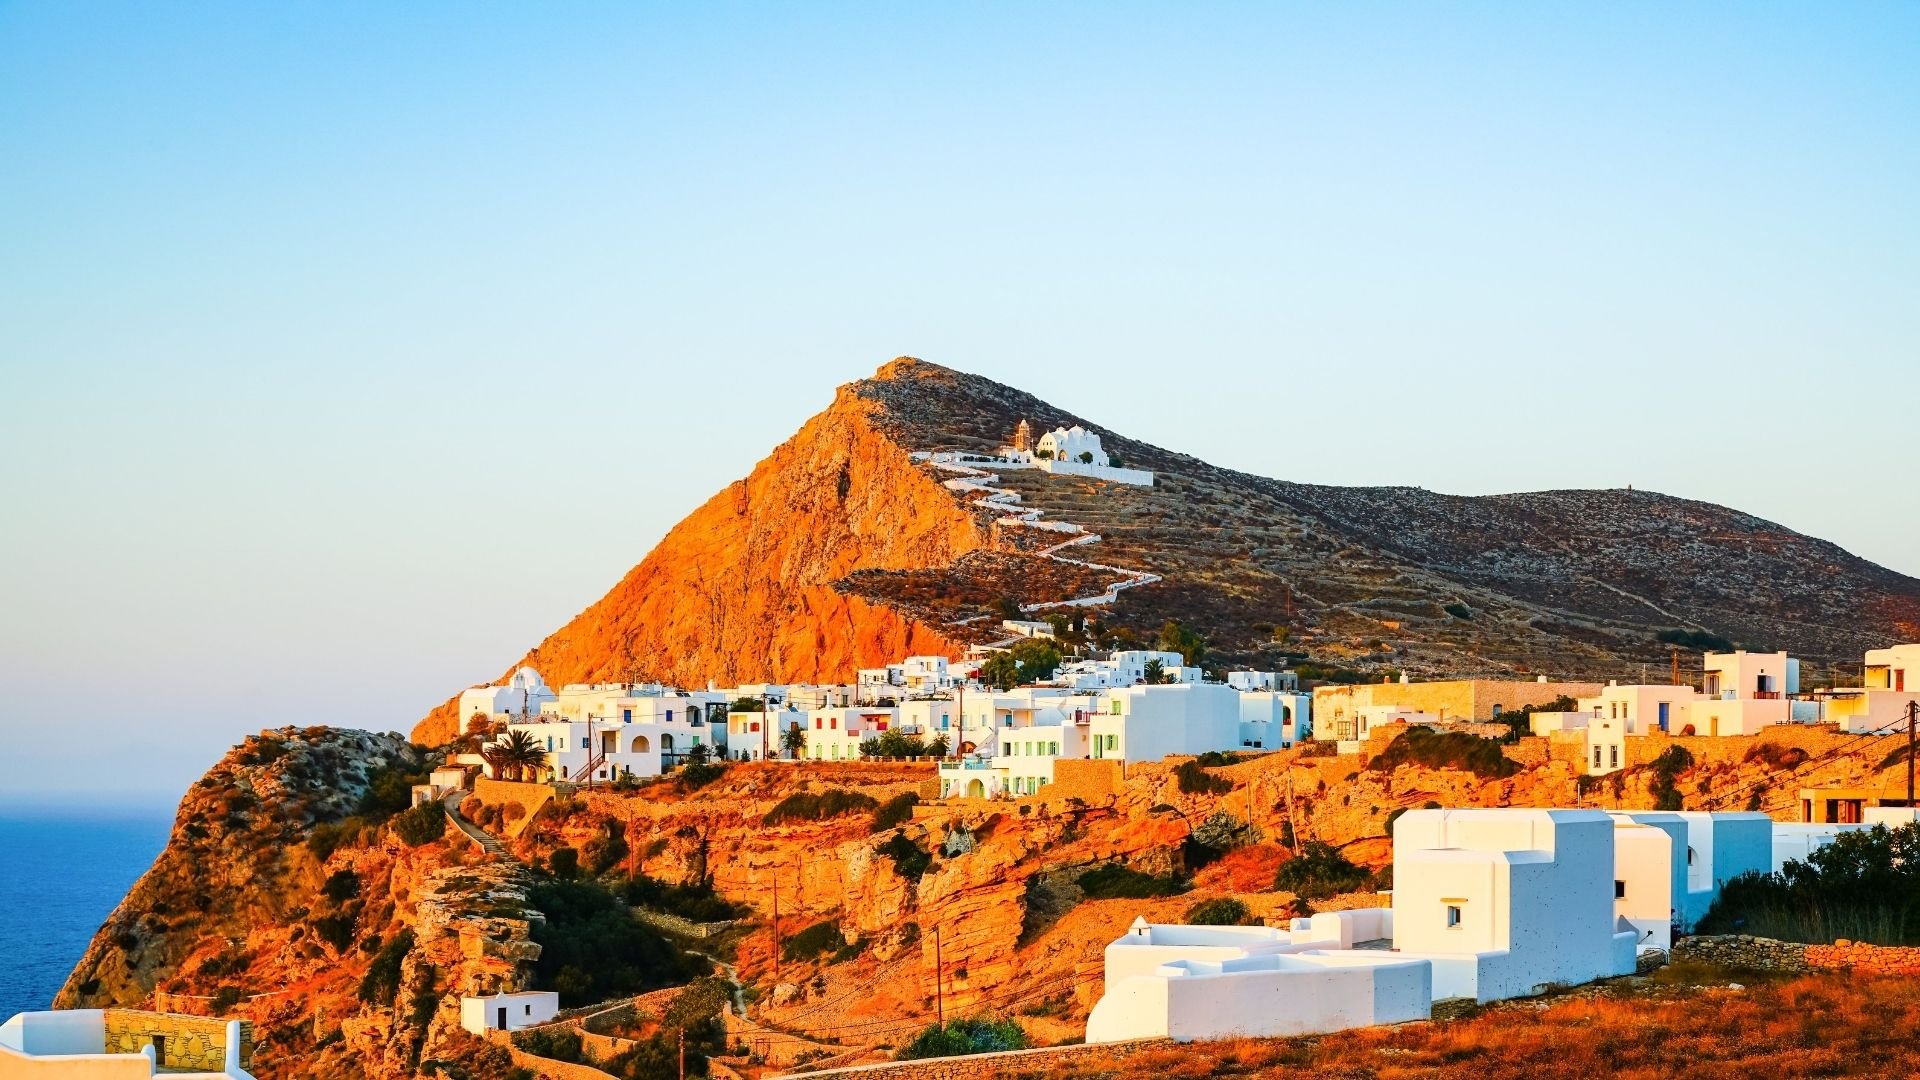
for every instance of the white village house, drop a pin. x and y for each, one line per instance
(1487, 904)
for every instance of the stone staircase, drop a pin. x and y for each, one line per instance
(488, 842)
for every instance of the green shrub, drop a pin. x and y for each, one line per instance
(389, 791)
(1697, 640)
(910, 860)
(977, 1035)
(1196, 780)
(592, 948)
(382, 979)
(557, 1043)
(564, 863)
(604, 852)
(1459, 611)
(1116, 882)
(336, 930)
(225, 998)
(421, 825)
(1221, 911)
(807, 806)
(1864, 885)
(1666, 769)
(698, 775)
(1319, 871)
(899, 744)
(325, 839)
(1445, 750)
(821, 937)
(341, 886)
(696, 903)
(895, 811)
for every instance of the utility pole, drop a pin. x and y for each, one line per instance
(775, 872)
(681, 1035)
(1676, 667)
(766, 721)
(1913, 721)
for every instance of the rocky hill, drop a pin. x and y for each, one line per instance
(840, 550)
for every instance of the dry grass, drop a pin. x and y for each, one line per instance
(1812, 1026)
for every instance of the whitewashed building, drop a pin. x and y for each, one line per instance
(1719, 847)
(1505, 902)
(523, 695)
(1487, 904)
(603, 731)
(1033, 726)
(508, 1010)
(1274, 719)
(83, 1044)
(1218, 982)
(1890, 679)
(1286, 681)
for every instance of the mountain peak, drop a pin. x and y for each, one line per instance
(841, 550)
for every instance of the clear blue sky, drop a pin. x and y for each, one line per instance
(345, 350)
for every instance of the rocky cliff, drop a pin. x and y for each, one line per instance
(840, 551)
(292, 895)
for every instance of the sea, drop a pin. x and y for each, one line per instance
(62, 871)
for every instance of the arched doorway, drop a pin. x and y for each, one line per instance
(976, 789)
(641, 745)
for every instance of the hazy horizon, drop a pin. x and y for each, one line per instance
(321, 327)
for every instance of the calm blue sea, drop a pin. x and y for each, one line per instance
(61, 873)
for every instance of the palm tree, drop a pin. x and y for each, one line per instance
(1154, 672)
(515, 755)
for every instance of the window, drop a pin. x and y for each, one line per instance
(1613, 757)
(1689, 855)
(1496, 712)
(1596, 757)
(1453, 916)
(626, 716)
(1619, 889)
(584, 744)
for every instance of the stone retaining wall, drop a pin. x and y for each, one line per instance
(521, 798)
(981, 1066)
(1744, 952)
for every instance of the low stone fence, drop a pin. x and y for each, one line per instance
(1038, 1062)
(544, 1066)
(674, 924)
(1744, 952)
(1750, 953)
(1844, 955)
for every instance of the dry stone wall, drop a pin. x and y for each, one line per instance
(1041, 1062)
(189, 1043)
(1744, 952)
